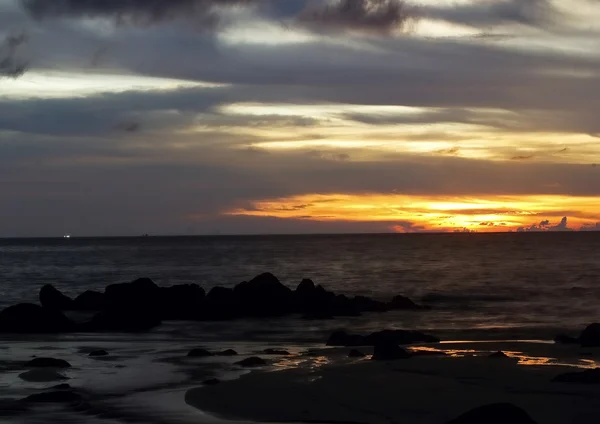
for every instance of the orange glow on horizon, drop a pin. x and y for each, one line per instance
(412, 213)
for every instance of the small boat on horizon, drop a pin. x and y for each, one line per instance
(67, 236)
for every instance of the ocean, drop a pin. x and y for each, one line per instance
(526, 286)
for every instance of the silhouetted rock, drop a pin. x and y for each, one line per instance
(141, 294)
(276, 352)
(119, 320)
(264, 296)
(211, 382)
(199, 353)
(306, 286)
(584, 377)
(63, 386)
(61, 396)
(219, 304)
(341, 338)
(253, 361)
(51, 298)
(228, 352)
(30, 318)
(97, 353)
(386, 351)
(498, 355)
(41, 376)
(356, 354)
(401, 303)
(498, 413)
(564, 339)
(181, 301)
(590, 337)
(47, 363)
(366, 304)
(89, 301)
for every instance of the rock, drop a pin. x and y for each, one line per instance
(89, 301)
(590, 337)
(366, 304)
(356, 354)
(63, 386)
(386, 351)
(564, 339)
(220, 304)
(199, 353)
(141, 294)
(55, 397)
(498, 413)
(47, 363)
(318, 316)
(498, 355)
(584, 377)
(211, 382)
(97, 353)
(181, 302)
(41, 376)
(51, 298)
(123, 321)
(253, 361)
(228, 352)
(341, 338)
(306, 286)
(402, 303)
(264, 296)
(30, 318)
(276, 352)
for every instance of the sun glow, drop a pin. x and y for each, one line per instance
(407, 213)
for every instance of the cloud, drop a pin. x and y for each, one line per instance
(10, 63)
(371, 16)
(133, 12)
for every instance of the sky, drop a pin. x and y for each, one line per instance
(129, 117)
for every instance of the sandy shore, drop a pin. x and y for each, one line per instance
(428, 389)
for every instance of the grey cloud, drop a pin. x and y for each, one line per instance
(375, 16)
(11, 65)
(132, 12)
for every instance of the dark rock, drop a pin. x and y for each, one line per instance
(220, 304)
(228, 352)
(498, 413)
(356, 354)
(89, 301)
(590, 337)
(55, 397)
(41, 376)
(30, 318)
(318, 316)
(181, 302)
(366, 304)
(119, 320)
(401, 303)
(499, 355)
(253, 361)
(564, 339)
(51, 298)
(584, 377)
(386, 351)
(264, 296)
(306, 286)
(341, 338)
(141, 294)
(63, 386)
(97, 353)
(47, 363)
(199, 353)
(211, 382)
(276, 352)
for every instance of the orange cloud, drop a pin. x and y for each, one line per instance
(411, 213)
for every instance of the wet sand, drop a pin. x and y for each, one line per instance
(428, 389)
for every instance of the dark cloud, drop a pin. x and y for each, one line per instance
(11, 65)
(374, 16)
(132, 12)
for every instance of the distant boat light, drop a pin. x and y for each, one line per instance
(67, 236)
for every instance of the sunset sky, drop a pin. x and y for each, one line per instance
(126, 117)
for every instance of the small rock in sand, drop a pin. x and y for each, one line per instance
(211, 382)
(253, 361)
(584, 377)
(54, 397)
(41, 376)
(98, 353)
(356, 354)
(276, 352)
(61, 387)
(48, 363)
(499, 355)
(389, 352)
(228, 352)
(498, 413)
(199, 353)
